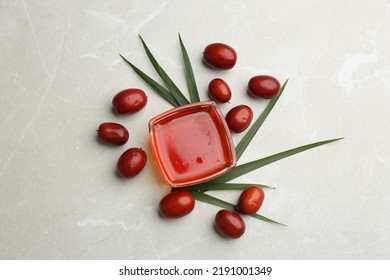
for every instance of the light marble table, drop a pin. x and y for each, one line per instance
(60, 197)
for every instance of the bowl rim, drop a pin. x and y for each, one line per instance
(227, 141)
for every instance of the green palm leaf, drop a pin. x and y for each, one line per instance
(257, 124)
(253, 165)
(177, 94)
(223, 204)
(163, 92)
(190, 78)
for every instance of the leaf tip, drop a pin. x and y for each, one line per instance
(336, 139)
(125, 60)
(142, 39)
(278, 223)
(284, 85)
(181, 42)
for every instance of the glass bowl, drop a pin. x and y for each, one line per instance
(191, 144)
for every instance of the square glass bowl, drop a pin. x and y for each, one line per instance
(192, 144)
